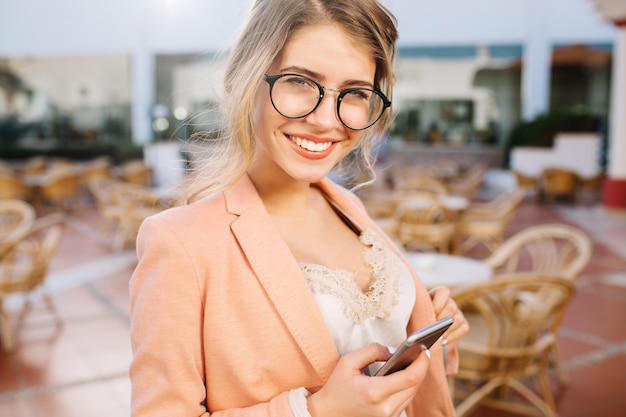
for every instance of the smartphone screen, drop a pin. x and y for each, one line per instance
(413, 345)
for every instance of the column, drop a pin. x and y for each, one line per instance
(537, 61)
(614, 192)
(143, 86)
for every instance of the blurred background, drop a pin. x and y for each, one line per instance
(514, 109)
(114, 74)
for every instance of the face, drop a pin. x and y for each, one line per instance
(306, 149)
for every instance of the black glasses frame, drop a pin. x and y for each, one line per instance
(271, 80)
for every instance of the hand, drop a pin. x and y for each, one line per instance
(445, 306)
(350, 393)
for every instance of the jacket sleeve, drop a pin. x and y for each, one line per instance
(167, 371)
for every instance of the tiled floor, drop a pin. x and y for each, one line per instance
(81, 369)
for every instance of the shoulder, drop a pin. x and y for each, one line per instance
(188, 225)
(213, 211)
(208, 211)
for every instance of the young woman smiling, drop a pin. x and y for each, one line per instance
(270, 291)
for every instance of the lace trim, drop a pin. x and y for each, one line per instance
(382, 295)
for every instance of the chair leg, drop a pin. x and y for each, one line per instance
(53, 309)
(49, 305)
(472, 401)
(6, 331)
(555, 364)
(546, 407)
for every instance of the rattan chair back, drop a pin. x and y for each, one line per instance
(513, 325)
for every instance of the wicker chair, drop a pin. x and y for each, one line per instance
(468, 183)
(16, 218)
(553, 249)
(487, 223)
(513, 326)
(549, 249)
(136, 171)
(591, 186)
(526, 182)
(96, 168)
(23, 269)
(130, 204)
(60, 190)
(379, 204)
(558, 183)
(417, 180)
(12, 187)
(424, 227)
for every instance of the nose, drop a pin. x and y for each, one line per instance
(325, 115)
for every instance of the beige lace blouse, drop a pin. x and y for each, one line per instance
(356, 318)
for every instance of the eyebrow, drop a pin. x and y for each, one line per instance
(318, 76)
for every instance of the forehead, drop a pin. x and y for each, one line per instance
(328, 50)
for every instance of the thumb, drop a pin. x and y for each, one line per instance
(364, 356)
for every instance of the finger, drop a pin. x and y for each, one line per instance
(439, 297)
(416, 371)
(400, 387)
(451, 309)
(461, 329)
(404, 397)
(358, 359)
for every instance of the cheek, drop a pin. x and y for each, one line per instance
(263, 111)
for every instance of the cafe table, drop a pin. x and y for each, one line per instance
(441, 269)
(454, 204)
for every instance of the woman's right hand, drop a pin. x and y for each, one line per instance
(350, 393)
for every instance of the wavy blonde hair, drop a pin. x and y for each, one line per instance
(270, 24)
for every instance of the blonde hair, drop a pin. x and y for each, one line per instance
(269, 26)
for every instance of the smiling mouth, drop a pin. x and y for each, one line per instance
(309, 145)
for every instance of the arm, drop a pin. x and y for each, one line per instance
(168, 370)
(445, 306)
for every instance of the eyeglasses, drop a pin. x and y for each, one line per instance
(295, 96)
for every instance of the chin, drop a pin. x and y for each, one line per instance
(311, 176)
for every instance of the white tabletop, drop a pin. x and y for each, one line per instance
(449, 201)
(436, 269)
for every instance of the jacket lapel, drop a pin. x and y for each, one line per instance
(280, 275)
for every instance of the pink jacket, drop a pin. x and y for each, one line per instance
(222, 319)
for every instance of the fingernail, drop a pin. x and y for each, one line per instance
(427, 351)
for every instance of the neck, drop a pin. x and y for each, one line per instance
(282, 195)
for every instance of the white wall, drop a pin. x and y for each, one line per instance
(61, 27)
(143, 28)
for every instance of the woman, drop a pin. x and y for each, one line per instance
(271, 292)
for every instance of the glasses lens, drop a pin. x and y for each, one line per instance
(295, 96)
(360, 107)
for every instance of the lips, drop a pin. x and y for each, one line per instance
(310, 145)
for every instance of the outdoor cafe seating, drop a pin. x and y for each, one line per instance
(514, 324)
(16, 218)
(24, 263)
(486, 223)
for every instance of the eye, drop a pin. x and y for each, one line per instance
(359, 93)
(298, 80)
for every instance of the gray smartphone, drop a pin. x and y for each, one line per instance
(413, 345)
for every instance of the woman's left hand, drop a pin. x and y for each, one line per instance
(445, 306)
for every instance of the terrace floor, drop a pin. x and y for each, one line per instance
(80, 369)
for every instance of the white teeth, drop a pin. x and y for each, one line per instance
(309, 145)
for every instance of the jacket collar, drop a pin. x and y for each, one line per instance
(281, 277)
